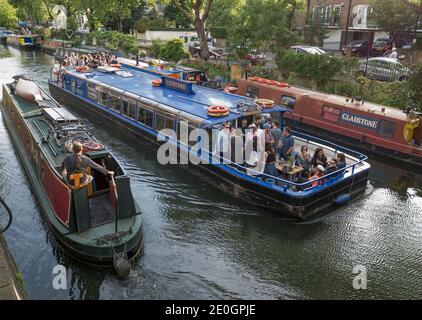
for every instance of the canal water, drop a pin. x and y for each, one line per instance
(203, 244)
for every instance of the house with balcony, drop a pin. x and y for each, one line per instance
(341, 19)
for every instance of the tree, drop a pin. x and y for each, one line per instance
(415, 5)
(315, 29)
(392, 16)
(260, 24)
(8, 16)
(292, 7)
(32, 10)
(173, 50)
(119, 10)
(172, 13)
(196, 12)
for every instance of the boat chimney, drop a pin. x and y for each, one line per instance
(137, 60)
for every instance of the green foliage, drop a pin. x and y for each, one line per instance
(223, 13)
(33, 10)
(264, 72)
(394, 94)
(319, 68)
(261, 24)
(392, 16)
(114, 40)
(219, 32)
(171, 13)
(418, 42)
(415, 86)
(211, 69)
(156, 48)
(315, 32)
(8, 16)
(173, 50)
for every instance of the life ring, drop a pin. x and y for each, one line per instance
(253, 78)
(264, 103)
(218, 111)
(116, 65)
(271, 82)
(260, 80)
(282, 84)
(82, 69)
(92, 146)
(156, 83)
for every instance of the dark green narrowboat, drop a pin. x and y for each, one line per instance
(95, 222)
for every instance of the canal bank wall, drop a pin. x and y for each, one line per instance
(11, 285)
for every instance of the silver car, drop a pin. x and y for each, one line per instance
(383, 69)
(308, 49)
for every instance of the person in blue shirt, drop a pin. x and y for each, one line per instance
(287, 144)
(341, 161)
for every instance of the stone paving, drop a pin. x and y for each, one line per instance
(7, 276)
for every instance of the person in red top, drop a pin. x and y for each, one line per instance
(319, 172)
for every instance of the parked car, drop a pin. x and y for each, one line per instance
(383, 69)
(192, 40)
(358, 48)
(384, 45)
(308, 49)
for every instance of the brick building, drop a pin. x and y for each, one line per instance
(332, 14)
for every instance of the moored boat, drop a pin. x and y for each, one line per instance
(383, 131)
(148, 102)
(95, 221)
(24, 41)
(51, 46)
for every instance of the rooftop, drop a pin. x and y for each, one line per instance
(194, 103)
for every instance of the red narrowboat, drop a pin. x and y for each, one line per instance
(388, 132)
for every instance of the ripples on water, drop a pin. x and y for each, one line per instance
(201, 244)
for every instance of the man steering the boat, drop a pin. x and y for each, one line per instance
(76, 164)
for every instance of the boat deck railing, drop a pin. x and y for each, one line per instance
(357, 158)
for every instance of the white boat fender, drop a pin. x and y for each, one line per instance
(342, 199)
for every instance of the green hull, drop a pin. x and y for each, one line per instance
(85, 245)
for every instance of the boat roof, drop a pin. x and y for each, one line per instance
(341, 101)
(195, 102)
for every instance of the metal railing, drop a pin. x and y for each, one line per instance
(374, 69)
(357, 158)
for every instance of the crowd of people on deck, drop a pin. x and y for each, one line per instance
(240, 146)
(94, 60)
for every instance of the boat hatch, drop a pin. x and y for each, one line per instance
(59, 115)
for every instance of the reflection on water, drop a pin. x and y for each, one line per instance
(200, 243)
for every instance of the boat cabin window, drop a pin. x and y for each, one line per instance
(252, 92)
(184, 134)
(80, 88)
(102, 96)
(129, 107)
(113, 101)
(163, 122)
(72, 85)
(91, 91)
(146, 116)
(386, 128)
(288, 101)
(330, 113)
